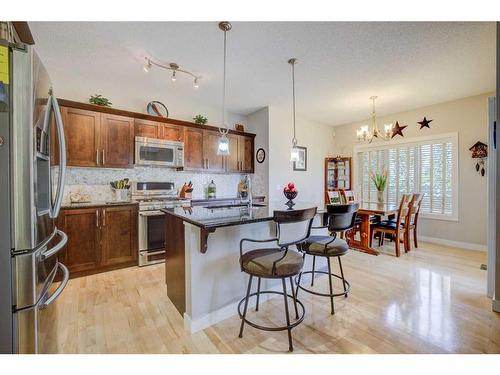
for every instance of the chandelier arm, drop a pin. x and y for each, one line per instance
(294, 140)
(224, 89)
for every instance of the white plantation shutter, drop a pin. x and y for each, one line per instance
(429, 167)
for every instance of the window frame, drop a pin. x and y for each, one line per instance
(453, 136)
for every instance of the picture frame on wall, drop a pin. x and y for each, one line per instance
(301, 165)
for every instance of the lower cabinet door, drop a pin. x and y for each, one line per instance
(119, 235)
(82, 228)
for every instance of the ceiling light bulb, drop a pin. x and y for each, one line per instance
(196, 83)
(173, 76)
(294, 154)
(223, 146)
(147, 67)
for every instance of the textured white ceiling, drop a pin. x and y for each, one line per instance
(408, 65)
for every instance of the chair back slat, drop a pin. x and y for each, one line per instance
(403, 210)
(415, 204)
(341, 217)
(293, 226)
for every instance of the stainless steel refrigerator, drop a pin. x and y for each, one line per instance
(32, 169)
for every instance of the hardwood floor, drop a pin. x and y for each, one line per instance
(431, 300)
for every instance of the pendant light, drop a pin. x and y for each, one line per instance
(294, 154)
(223, 148)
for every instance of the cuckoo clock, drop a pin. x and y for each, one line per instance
(480, 151)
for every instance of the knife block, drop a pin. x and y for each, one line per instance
(186, 192)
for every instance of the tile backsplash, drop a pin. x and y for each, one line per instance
(95, 181)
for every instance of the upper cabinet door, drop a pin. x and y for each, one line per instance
(214, 162)
(146, 128)
(81, 130)
(193, 149)
(232, 160)
(117, 141)
(246, 145)
(171, 132)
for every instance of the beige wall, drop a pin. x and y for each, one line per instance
(468, 117)
(258, 123)
(316, 137)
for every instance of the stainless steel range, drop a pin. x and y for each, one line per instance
(152, 197)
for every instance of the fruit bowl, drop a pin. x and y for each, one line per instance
(290, 192)
(290, 195)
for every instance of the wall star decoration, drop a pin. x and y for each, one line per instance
(398, 129)
(424, 123)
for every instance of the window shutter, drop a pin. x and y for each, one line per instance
(425, 167)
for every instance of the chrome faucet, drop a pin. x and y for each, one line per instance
(250, 191)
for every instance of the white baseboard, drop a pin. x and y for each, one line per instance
(459, 244)
(195, 325)
(496, 305)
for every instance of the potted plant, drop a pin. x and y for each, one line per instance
(199, 119)
(100, 100)
(380, 181)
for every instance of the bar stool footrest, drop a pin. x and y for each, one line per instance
(348, 289)
(281, 328)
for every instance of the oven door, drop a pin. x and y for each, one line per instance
(151, 237)
(148, 152)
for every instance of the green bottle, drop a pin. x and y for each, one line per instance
(211, 190)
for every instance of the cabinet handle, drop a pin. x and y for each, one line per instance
(208, 164)
(103, 162)
(104, 217)
(97, 218)
(97, 156)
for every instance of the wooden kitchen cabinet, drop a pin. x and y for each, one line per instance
(117, 141)
(82, 227)
(119, 239)
(99, 238)
(104, 137)
(213, 162)
(193, 149)
(96, 139)
(146, 128)
(82, 131)
(232, 160)
(245, 154)
(240, 158)
(171, 132)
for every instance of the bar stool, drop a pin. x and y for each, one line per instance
(292, 228)
(341, 218)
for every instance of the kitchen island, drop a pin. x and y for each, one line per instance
(202, 270)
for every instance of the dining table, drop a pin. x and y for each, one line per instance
(365, 212)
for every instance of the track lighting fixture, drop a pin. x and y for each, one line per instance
(175, 68)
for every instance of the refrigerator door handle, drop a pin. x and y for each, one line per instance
(59, 289)
(59, 246)
(62, 157)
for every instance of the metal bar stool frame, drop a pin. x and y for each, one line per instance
(279, 218)
(333, 211)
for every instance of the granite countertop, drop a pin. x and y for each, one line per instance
(225, 198)
(216, 217)
(97, 204)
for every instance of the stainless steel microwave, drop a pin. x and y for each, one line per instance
(152, 151)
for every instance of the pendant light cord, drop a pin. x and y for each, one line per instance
(294, 140)
(225, 131)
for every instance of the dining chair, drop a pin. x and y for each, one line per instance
(334, 197)
(411, 220)
(395, 228)
(341, 218)
(293, 227)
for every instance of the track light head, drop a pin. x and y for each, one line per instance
(148, 65)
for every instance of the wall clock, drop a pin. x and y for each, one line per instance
(156, 108)
(260, 155)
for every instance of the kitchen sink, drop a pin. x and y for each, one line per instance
(234, 205)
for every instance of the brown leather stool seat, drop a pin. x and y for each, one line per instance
(260, 263)
(323, 245)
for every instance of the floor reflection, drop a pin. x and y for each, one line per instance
(426, 310)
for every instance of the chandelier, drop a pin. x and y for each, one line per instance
(366, 133)
(174, 68)
(294, 153)
(223, 146)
